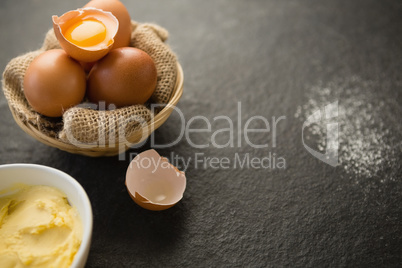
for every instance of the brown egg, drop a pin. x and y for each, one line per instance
(118, 9)
(125, 76)
(54, 82)
(86, 34)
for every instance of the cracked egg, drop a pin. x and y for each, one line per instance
(86, 34)
(123, 36)
(153, 183)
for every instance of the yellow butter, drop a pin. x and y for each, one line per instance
(38, 228)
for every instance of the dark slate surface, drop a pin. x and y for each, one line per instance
(269, 56)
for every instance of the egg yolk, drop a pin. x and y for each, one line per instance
(86, 33)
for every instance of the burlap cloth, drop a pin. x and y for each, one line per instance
(85, 125)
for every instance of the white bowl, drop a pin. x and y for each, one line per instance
(32, 174)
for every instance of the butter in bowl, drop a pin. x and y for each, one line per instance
(45, 218)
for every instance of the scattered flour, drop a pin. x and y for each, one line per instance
(369, 126)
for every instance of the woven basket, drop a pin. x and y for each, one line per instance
(136, 136)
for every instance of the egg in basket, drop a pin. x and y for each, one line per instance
(93, 86)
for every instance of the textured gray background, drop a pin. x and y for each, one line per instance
(265, 54)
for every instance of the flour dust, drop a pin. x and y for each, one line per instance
(369, 126)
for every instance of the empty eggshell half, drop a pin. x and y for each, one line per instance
(153, 183)
(86, 34)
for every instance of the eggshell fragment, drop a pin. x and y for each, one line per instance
(90, 53)
(153, 183)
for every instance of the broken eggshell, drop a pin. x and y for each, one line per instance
(153, 183)
(86, 53)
